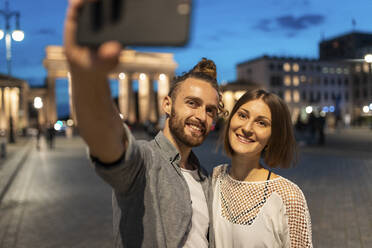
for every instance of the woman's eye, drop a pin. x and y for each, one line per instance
(262, 123)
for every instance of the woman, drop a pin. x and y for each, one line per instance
(252, 206)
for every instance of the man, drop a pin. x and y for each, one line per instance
(160, 191)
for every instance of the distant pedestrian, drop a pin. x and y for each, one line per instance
(38, 136)
(3, 141)
(312, 128)
(50, 135)
(320, 125)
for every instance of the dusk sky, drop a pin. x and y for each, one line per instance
(229, 32)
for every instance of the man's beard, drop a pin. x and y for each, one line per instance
(177, 125)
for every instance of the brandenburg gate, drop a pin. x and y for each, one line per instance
(151, 70)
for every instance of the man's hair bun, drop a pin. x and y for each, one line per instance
(206, 66)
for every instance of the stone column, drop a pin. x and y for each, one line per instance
(71, 103)
(126, 98)
(163, 89)
(152, 106)
(143, 97)
(14, 107)
(7, 105)
(42, 113)
(3, 120)
(51, 108)
(24, 106)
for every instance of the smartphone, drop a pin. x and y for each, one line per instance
(135, 22)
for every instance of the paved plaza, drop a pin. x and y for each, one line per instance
(54, 198)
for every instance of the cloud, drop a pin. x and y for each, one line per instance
(303, 22)
(289, 24)
(264, 25)
(46, 31)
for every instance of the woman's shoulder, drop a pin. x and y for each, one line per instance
(221, 169)
(289, 191)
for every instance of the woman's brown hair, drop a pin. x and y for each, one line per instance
(281, 150)
(205, 70)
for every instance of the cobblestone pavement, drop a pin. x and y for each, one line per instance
(56, 200)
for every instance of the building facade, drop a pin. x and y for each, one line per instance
(151, 71)
(323, 85)
(352, 45)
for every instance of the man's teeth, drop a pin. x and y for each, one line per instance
(195, 127)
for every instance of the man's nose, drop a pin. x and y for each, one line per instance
(201, 114)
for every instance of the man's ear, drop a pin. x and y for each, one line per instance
(167, 105)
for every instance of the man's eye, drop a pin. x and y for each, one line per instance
(242, 115)
(211, 112)
(191, 103)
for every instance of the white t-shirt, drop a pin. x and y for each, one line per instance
(200, 217)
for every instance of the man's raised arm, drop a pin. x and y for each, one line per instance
(97, 116)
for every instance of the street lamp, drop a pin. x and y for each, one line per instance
(368, 58)
(16, 35)
(38, 102)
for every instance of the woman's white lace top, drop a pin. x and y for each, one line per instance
(270, 213)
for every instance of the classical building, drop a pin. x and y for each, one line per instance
(234, 90)
(13, 105)
(352, 45)
(361, 87)
(152, 72)
(340, 81)
(302, 82)
(351, 49)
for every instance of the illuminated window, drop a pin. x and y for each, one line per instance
(303, 79)
(357, 68)
(287, 80)
(339, 70)
(325, 70)
(365, 68)
(296, 96)
(296, 81)
(287, 96)
(295, 67)
(286, 67)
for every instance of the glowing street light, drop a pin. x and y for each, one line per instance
(365, 109)
(38, 102)
(16, 35)
(309, 109)
(368, 58)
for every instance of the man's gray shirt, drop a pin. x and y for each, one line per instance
(151, 199)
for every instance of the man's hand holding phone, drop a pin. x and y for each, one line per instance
(84, 60)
